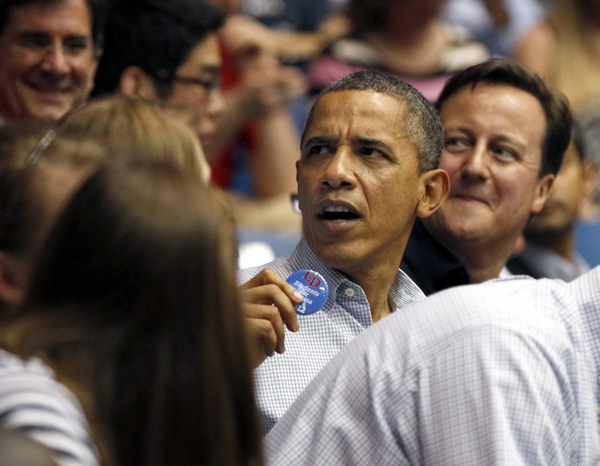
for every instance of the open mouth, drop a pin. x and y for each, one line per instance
(338, 214)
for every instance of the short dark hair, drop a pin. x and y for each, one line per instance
(156, 36)
(421, 120)
(98, 10)
(556, 108)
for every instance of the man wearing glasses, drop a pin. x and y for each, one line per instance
(165, 51)
(49, 50)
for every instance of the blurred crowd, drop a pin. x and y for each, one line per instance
(149, 149)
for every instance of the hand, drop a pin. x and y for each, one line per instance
(268, 304)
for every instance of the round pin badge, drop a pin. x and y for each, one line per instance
(313, 287)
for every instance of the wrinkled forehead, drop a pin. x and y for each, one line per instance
(349, 106)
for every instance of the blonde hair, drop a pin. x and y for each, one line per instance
(141, 130)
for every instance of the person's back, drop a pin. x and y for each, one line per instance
(503, 372)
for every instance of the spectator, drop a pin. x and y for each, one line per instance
(425, 53)
(38, 172)
(499, 373)
(565, 51)
(49, 51)
(133, 304)
(505, 137)
(550, 249)
(370, 152)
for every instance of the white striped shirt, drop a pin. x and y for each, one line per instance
(33, 402)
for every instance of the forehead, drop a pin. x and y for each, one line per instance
(61, 17)
(362, 113)
(496, 110)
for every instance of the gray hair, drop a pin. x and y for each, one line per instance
(422, 122)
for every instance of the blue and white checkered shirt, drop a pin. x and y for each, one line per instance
(498, 373)
(281, 378)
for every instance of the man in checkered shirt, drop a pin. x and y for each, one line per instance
(368, 169)
(502, 373)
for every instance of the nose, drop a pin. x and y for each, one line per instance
(340, 171)
(55, 61)
(216, 104)
(475, 164)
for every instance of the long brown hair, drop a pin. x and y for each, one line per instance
(135, 306)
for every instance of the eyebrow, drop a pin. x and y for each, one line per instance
(44, 34)
(371, 142)
(319, 141)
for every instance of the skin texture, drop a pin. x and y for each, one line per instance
(357, 154)
(203, 62)
(492, 153)
(48, 61)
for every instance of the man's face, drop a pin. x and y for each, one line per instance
(203, 63)
(566, 199)
(492, 153)
(358, 181)
(48, 62)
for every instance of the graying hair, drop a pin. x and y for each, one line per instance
(421, 120)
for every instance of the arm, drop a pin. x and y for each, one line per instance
(243, 32)
(262, 99)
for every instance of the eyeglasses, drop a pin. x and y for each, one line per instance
(210, 85)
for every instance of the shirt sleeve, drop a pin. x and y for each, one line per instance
(32, 402)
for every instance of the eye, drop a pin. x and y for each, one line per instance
(318, 150)
(455, 144)
(370, 152)
(75, 45)
(504, 153)
(34, 41)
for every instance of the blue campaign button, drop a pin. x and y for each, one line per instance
(313, 287)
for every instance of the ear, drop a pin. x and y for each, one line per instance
(12, 280)
(544, 186)
(436, 184)
(590, 179)
(135, 82)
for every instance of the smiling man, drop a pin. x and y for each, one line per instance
(49, 52)
(505, 138)
(370, 151)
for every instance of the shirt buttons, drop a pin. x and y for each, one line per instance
(350, 292)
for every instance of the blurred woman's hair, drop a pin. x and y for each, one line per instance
(134, 304)
(28, 191)
(142, 130)
(40, 165)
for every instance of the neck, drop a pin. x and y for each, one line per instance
(376, 282)
(562, 243)
(483, 261)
